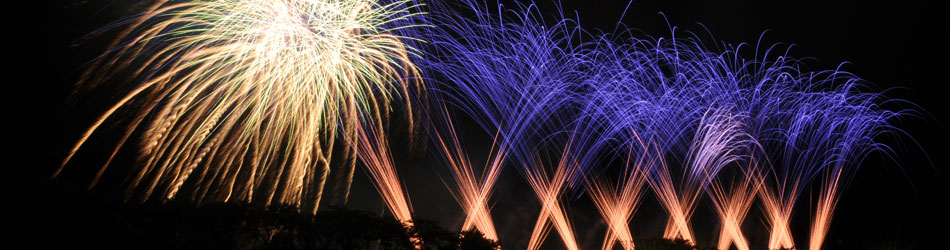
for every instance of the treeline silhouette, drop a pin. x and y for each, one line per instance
(85, 220)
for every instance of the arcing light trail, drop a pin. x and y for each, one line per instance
(245, 101)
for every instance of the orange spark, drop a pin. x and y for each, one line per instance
(373, 151)
(778, 214)
(548, 192)
(617, 208)
(733, 205)
(470, 193)
(827, 201)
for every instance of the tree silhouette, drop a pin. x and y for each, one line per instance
(82, 220)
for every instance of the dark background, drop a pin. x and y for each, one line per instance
(897, 47)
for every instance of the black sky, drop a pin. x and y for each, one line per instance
(890, 44)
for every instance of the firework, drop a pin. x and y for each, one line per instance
(700, 110)
(808, 123)
(716, 141)
(507, 71)
(243, 100)
(248, 101)
(850, 124)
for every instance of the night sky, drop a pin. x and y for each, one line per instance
(900, 46)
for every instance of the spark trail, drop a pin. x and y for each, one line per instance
(732, 202)
(618, 204)
(471, 192)
(548, 190)
(373, 151)
(609, 126)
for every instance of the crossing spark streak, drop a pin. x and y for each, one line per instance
(617, 204)
(549, 190)
(471, 192)
(732, 201)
